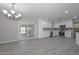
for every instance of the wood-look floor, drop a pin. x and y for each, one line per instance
(45, 46)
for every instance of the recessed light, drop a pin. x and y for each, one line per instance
(66, 11)
(75, 17)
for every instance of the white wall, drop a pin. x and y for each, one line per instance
(77, 38)
(43, 24)
(8, 30)
(68, 24)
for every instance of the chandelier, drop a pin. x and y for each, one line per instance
(12, 14)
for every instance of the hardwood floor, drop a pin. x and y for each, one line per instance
(45, 46)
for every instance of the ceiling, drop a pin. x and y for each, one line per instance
(50, 11)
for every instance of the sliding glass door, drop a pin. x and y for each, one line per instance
(30, 30)
(26, 31)
(23, 32)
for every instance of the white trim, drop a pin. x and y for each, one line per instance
(8, 41)
(32, 38)
(16, 40)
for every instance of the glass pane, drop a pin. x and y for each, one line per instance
(30, 30)
(23, 30)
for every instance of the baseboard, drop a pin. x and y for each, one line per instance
(32, 38)
(8, 41)
(15, 40)
(24, 39)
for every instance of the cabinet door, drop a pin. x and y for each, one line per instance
(76, 25)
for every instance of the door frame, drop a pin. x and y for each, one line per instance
(21, 23)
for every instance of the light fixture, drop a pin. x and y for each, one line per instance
(75, 18)
(4, 11)
(12, 14)
(13, 11)
(9, 15)
(66, 11)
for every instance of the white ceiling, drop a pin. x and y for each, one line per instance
(51, 11)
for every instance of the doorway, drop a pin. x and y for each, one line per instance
(26, 31)
(23, 32)
(30, 30)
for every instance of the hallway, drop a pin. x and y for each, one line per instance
(45, 46)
